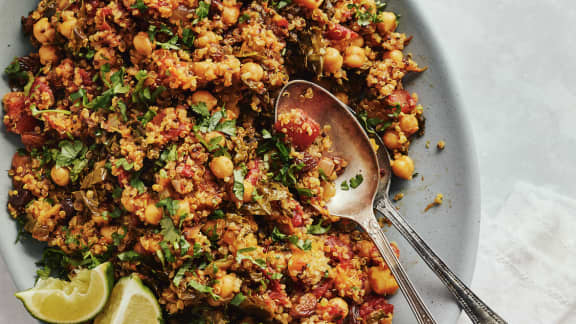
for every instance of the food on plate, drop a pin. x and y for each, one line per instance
(149, 142)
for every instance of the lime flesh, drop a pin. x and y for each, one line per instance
(79, 300)
(131, 302)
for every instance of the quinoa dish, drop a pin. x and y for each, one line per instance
(149, 141)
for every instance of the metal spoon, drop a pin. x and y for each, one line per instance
(475, 308)
(351, 143)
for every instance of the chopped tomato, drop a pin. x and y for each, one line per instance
(338, 32)
(18, 117)
(300, 129)
(375, 303)
(185, 170)
(297, 217)
(403, 99)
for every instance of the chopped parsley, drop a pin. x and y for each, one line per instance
(356, 181)
(202, 11)
(278, 236)
(181, 272)
(203, 289)
(317, 229)
(299, 243)
(238, 187)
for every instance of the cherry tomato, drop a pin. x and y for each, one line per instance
(403, 99)
(300, 129)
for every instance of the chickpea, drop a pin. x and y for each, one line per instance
(222, 167)
(48, 54)
(358, 41)
(395, 55)
(310, 4)
(332, 60)
(60, 175)
(248, 190)
(388, 22)
(142, 44)
(211, 136)
(106, 233)
(230, 15)
(409, 124)
(392, 140)
(354, 57)
(66, 28)
(403, 167)
(227, 285)
(43, 31)
(104, 56)
(206, 39)
(252, 72)
(152, 214)
(205, 97)
(205, 70)
(381, 281)
(339, 308)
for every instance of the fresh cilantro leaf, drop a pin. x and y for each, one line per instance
(203, 289)
(302, 245)
(278, 236)
(148, 116)
(169, 204)
(227, 127)
(80, 94)
(140, 5)
(135, 182)
(344, 185)
(238, 187)
(356, 181)
(201, 109)
(168, 256)
(14, 72)
(317, 229)
(305, 192)
(238, 299)
(201, 12)
(217, 214)
(181, 272)
(123, 110)
(246, 250)
(170, 154)
(188, 38)
(276, 276)
(69, 152)
(129, 256)
(127, 166)
(244, 18)
(169, 231)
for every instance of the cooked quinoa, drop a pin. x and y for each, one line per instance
(149, 142)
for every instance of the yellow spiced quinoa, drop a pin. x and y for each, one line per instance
(150, 143)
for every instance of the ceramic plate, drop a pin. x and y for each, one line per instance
(451, 229)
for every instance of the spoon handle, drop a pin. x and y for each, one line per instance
(476, 309)
(372, 227)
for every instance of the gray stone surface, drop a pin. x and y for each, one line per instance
(514, 64)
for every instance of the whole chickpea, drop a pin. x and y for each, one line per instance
(339, 308)
(48, 54)
(392, 140)
(329, 191)
(222, 167)
(206, 39)
(60, 175)
(388, 22)
(394, 55)
(66, 28)
(332, 60)
(365, 248)
(354, 57)
(142, 44)
(227, 285)
(310, 4)
(230, 14)
(403, 167)
(409, 124)
(251, 72)
(43, 31)
(381, 281)
(205, 97)
(152, 214)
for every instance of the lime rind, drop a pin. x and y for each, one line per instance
(82, 298)
(131, 299)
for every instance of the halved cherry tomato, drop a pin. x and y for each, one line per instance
(300, 129)
(403, 99)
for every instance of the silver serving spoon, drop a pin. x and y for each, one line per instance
(351, 143)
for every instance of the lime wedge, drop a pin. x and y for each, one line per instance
(58, 301)
(131, 302)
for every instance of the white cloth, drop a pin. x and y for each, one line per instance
(526, 264)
